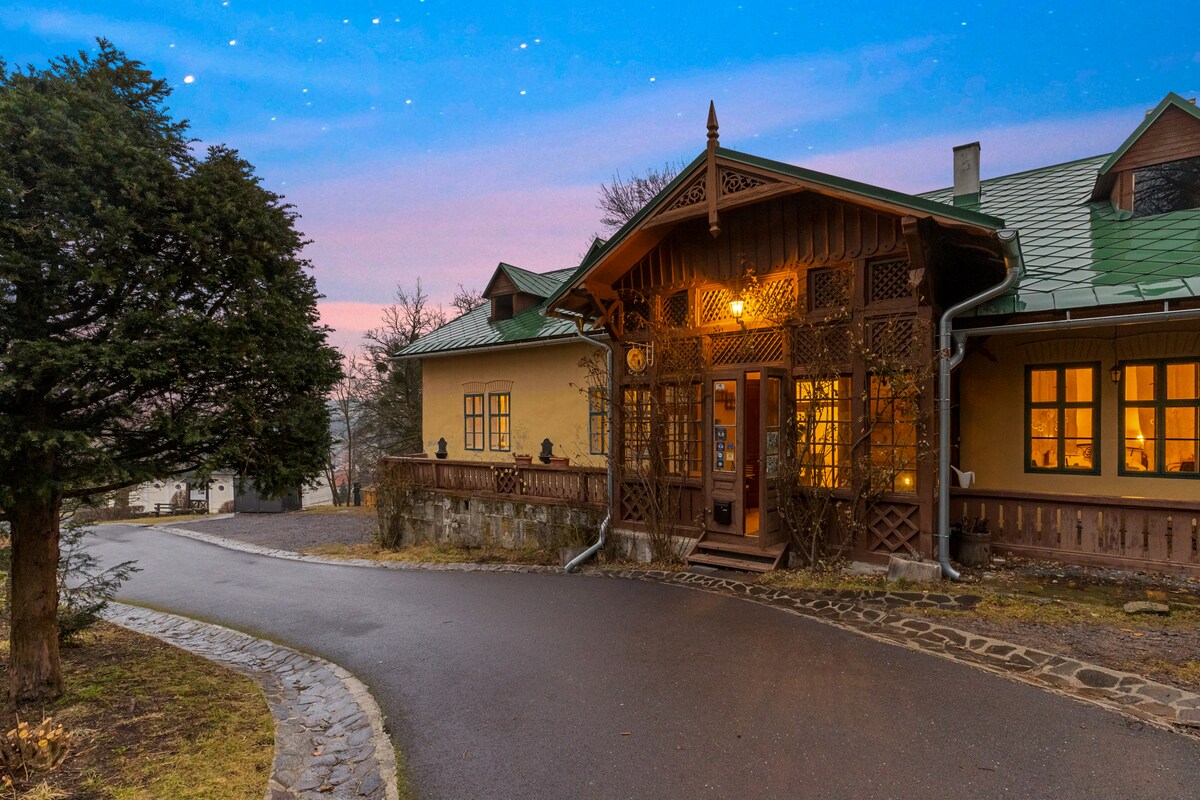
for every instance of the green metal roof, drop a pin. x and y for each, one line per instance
(1079, 253)
(1171, 100)
(533, 283)
(474, 330)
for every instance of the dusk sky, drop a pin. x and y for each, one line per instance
(432, 139)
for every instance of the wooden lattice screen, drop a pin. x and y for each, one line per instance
(889, 279)
(675, 310)
(745, 347)
(714, 305)
(829, 287)
(894, 338)
(824, 345)
(773, 300)
(893, 527)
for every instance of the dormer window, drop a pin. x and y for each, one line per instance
(1171, 186)
(502, 307)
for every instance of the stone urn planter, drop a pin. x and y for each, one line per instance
(523, 460)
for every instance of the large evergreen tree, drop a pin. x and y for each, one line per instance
(156, 316)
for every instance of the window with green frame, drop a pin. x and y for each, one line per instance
(472, 422)
(1062, 407)
(1160, 418)
(499, 421)
(597, 422)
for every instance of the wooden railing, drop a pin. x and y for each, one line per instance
(1134, 533)
(585, 486)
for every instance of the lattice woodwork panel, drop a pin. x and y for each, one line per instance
(508, 481)
(889, 279)
(894, 338)
(681, 356)
(675, 311)
(714, 305)
(829, 288)
(635, 501)
(773, 300)
(693, 194)
(733, 182)
(893, 527)
(821, 345)
(746, 347)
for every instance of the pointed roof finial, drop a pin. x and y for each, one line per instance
(713, 136)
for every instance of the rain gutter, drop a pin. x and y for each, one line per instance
(604, 526)
(951, 349)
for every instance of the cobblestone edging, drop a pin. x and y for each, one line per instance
(330, 740)
(873, 613)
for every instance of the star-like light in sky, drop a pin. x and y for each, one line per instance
(472, 132)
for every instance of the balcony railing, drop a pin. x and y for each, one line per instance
(585, 486)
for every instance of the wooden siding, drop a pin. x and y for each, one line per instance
(1175, 135)
(1130, 533)
(800, 229)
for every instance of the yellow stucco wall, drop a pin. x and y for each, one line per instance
(547, 400)
(992, 403)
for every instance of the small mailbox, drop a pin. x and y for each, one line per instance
(723, 512)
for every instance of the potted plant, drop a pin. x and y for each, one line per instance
(523, 459)
(560, 461)
(971, 542)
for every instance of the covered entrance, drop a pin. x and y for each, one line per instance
(742, 440)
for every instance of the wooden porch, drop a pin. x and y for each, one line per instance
(1122, 532)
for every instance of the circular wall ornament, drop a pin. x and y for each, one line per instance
(635, 359)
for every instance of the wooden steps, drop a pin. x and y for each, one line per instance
(735, 552)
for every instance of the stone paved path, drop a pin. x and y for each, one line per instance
(330, 740)
(878, 614)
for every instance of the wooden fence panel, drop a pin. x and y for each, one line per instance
(585, 486)
(1101, 531)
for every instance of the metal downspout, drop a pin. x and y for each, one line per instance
(951, 349)
(591, 551)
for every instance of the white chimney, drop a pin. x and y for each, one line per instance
(966, 173)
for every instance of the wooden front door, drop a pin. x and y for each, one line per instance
(743, 445)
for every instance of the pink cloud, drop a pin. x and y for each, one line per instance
(350, 320)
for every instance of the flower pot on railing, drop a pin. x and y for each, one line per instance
(560, 461)
(523, 460)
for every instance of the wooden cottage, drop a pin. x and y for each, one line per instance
(777, 356)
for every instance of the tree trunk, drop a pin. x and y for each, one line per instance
(34, 672)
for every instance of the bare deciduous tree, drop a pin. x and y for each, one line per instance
(465, 299)
(624, 197)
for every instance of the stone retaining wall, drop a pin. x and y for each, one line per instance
(418, 516)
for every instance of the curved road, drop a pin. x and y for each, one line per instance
(547, 686)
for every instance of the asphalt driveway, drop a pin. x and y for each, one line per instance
(546, 686)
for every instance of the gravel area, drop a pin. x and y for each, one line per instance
(292, 531)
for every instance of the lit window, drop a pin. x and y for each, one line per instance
(823, 431)
(597, 422)
(1062, 405)
(1160, 418)
(472, 422)
(682, 416)
(635, 429)
(892, 422)
(499, 422)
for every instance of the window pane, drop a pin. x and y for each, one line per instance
(823, 431)
(1044, 453)
(1139, 440)
(1182, 382)
(724, 425)
(1181, 440)
(1079, 454)
(1139, 382)
(1080, 382)
(1043, 422)
(1044, 385)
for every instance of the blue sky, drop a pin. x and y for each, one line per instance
(433, 138)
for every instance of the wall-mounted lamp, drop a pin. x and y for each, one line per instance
(1115, 373)
(736, 307)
